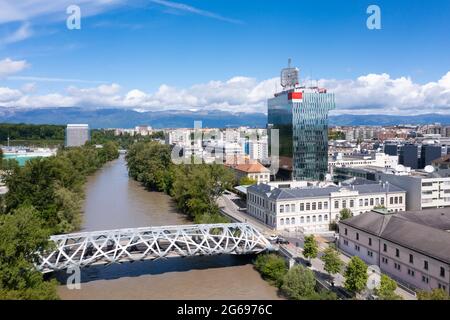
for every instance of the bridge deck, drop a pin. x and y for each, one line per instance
(121, 245)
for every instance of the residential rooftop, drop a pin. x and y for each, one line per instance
(425, 231)
(317, 192)
(251, 168)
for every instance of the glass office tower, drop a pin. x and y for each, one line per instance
(301, 116)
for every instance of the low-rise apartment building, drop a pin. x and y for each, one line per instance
(255, 171)
(312, 209)
(411, 247)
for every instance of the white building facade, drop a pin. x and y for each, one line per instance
(312, 209)
(77, 135)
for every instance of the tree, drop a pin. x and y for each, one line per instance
(332, 263)
(22, 235)
(299, 283)
(386, 291)
(271, 267)
(356, 275)
(246, 181)
(323, 295)
(379, 206)
(435, 294)
(311, 248)
(345, 214)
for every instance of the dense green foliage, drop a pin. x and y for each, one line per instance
(356, 275)
(246, 181)
(44, 198)
(345, 214)
(124, 141)
(272, 267)
(298, 283)
(386, 291)
(22, 233)
(332, 262)
(336, 135)
(39, 134)
(53, 185)
(435, 294)
(311, 248)
(195, 188)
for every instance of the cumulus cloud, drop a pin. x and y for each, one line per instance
(367, 94)
(7, 94)
(374, 93)
(9, 67)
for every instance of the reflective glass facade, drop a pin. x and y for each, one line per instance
(303, 131)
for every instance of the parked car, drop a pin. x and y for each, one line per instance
(273, 238)
(282, 241)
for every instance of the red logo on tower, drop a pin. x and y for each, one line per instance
(295, 96)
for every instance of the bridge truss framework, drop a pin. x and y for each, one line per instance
(124, 245)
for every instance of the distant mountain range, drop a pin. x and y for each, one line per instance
(126, 118)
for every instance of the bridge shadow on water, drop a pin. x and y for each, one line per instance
(155, 267)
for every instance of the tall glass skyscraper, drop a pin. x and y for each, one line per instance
(301, 116)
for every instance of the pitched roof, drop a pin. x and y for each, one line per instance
(251, 168)
(317, 192)
(419, 231)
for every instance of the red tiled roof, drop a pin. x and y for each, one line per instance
(251, 168)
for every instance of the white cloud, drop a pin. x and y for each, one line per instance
(193, 10)
(7, 94)
(9, 67)
(26, 10)
(378, 93)
(22, 33)
(368, 94)
(49, 79)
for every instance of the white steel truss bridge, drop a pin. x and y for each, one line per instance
(124, 245)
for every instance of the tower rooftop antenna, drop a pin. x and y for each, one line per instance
(289, 76)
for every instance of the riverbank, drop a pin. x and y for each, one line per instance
(113, 200)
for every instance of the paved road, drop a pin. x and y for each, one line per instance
(230, 208)
(227, 203)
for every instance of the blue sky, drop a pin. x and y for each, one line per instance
(151, 51)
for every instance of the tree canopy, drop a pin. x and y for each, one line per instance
(332, 262)
(22, 234)
(194, 188)
(299, 283)
(345, 214)
(310, 248)
(435, 294)
(356, 275)
(271, 267)
(387, 288)
(53, 185)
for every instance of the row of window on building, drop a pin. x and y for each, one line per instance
(397, 266)
(397, 253)
(304, 219)
(337, 204)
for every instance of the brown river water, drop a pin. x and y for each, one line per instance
(115, 201)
